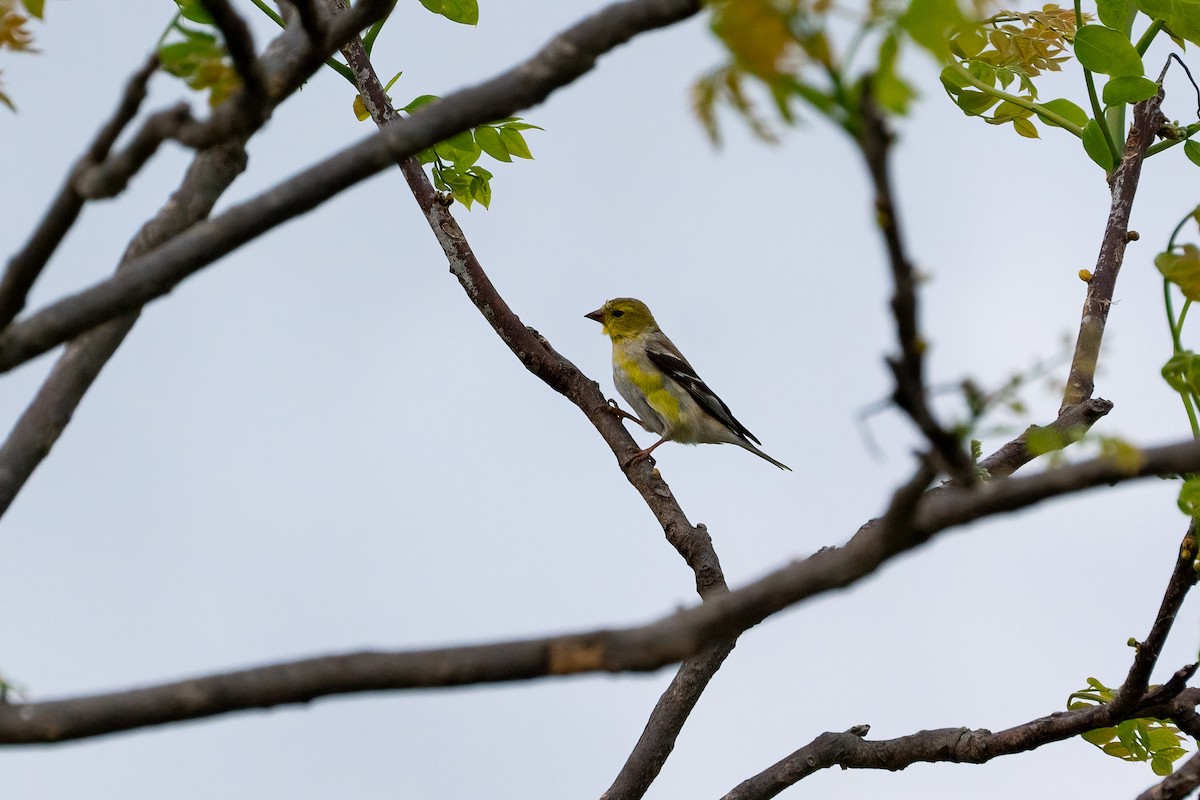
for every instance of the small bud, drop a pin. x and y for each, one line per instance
(1085, 275)
(1132, 236)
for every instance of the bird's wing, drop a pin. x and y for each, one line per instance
(667, 357)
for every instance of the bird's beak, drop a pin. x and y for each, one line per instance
(597, 315)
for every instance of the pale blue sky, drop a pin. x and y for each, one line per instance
(318, 445)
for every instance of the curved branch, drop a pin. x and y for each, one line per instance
(849, 750)
(638, 649)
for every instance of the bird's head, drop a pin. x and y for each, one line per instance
(623, 317)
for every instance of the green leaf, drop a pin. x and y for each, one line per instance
(1117, 750)
(1191, 149)
(517, 125)
(395, 78)
(1161, 766)
(953, 80)
(929, 21)
(1189, 497)
(1160, 738)
(1113, 13)
(1025, 128)
(1181, 16)
(1065, 109)
(423, 100)
(1104, 50)
(1100, 736)
(195, 11)
(462, 11)
(974, 103)
(34, 7)
(1129, 89)
(489, 139)
(1182, 269)
(1096, 145)
(514, 143)
(1009, 110)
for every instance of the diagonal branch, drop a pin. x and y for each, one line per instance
(567, 57)
(25, 267)
(285, 64)
(1183, 577)
(211, 172)
(643, 648)
(693, 543)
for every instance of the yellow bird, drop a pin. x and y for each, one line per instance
(661, 386)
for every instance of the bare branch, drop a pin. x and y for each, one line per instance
(1072, 423)
(110, 177)
(287, 62)
(954, 745)
(908, 368)
(1147, 121)
(1178, 784)
(648, 647)
(1183, 578)
(25, 267)
(565, 58)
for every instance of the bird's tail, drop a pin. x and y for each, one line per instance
(763, 455)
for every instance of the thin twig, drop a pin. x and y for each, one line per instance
(907, 368)
(1183, 577)
(1070, 426)
(27, 264)
(239, 43)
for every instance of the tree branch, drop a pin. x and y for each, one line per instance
(874, 142)
(211, 172)
(647, 647)
(1147, 121)
(1072, 423)
(692, 542)
(954, 745)
(28, 263)
(564, 59)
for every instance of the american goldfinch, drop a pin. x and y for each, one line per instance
(660, 384)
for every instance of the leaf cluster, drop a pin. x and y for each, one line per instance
(198, 56)
(453, 161)
(1143, 739)
(786, 47)
(14, 33)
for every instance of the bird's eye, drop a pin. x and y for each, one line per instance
(618, 313)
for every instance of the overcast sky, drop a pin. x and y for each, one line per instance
(318, 445)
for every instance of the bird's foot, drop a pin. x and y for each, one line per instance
(622, 413)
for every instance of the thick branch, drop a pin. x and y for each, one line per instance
(1147, 121)
(564, 59)
(643, 648)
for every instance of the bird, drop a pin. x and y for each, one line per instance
(662, 387)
